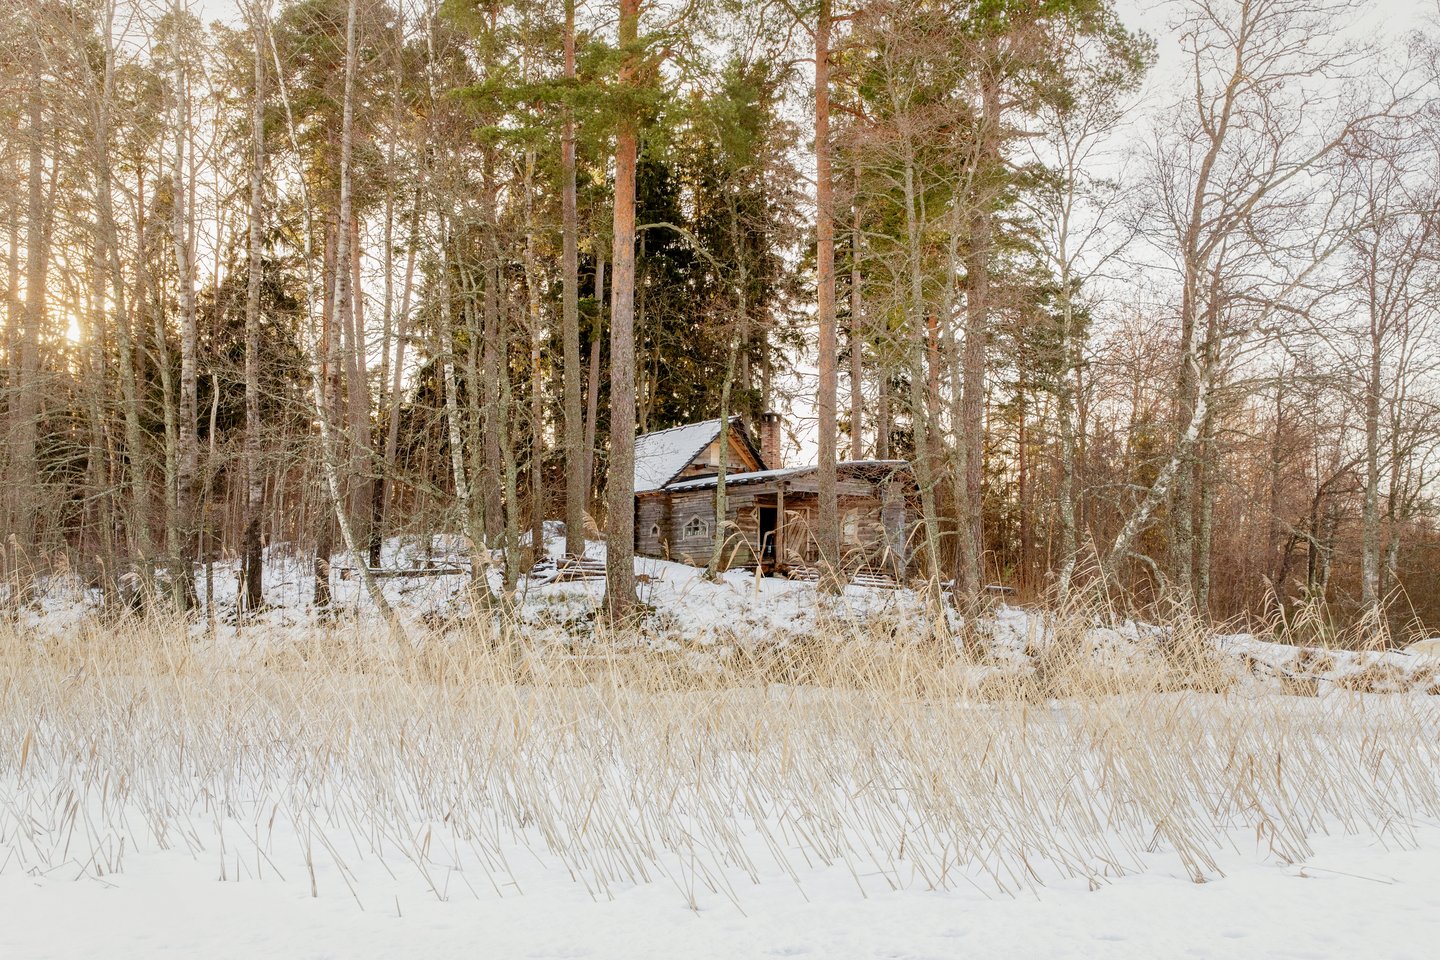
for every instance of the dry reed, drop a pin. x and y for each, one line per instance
(905, 764)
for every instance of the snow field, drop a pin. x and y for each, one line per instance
(846, 797)
(754, 770)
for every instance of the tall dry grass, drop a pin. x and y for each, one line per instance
(905, 763)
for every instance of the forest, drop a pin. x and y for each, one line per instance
(639, 479)
(1149, 299)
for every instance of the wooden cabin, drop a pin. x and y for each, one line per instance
(769, 509)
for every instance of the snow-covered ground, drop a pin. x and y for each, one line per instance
(693, 613)
(282, 822)
(1353, 898)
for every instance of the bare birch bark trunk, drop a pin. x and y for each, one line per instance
(384, 483)
(327, 407)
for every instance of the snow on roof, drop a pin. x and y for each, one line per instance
(662, 454)
(659, 456)
(754, 476)
(758, 476)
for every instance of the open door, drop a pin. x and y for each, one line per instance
(767, 520)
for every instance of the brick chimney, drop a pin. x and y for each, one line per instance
(770, 440)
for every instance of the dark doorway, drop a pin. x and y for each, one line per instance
(767, 534)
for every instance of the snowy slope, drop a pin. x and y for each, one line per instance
(738, 609)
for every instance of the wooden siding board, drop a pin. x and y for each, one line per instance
(878, 536)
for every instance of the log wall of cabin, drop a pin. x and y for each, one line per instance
(864, 541)
(875, 519)
(652, 524)
(661, 520)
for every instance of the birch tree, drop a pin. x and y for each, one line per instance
(1267, 107)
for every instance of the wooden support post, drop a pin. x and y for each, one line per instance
(779, 526)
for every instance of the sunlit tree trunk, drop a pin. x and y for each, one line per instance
(620, 482)
(857, 329)
(25, 408)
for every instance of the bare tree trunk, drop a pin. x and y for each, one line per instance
(1065, 415)
(575, 457)
(739, 336)
(188, 467)
(536, 328)
(253, 591)
(620, 484)
(327, 402)
(882, 402)
(719, 536)
(922, 425)
(592, 392)
(25, 409)
(328, 406)
(827, 532)
(170, 418)
(327, 386)
(495, 362)
(1370, 511)
(444, 353)
(334, 450)
(357, 381)
(857, 329)
(395, 381)
(509, 465)
(107, 252)
(977, 332)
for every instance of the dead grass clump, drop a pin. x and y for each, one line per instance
(1300, 686)
(1312, 662)
(1017, 684)
(1376, 678)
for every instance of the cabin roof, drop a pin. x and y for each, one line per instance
(760, 476)
(661, 455)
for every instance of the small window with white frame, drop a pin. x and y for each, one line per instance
(695, 529)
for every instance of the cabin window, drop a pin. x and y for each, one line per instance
(696, 529)
(655, 530)
(850, 527)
